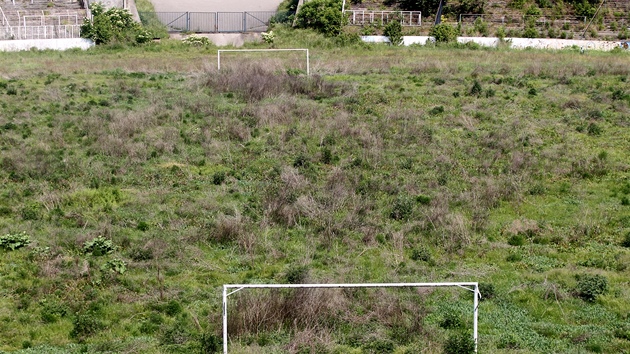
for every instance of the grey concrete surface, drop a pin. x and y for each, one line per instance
(215, 5)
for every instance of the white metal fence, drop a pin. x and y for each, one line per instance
(46, 32)
(367, 17)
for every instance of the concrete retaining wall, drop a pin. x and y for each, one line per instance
(42, 44)
(225, 39)
(518, 43)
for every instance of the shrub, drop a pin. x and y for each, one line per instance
(626, 241)
(590, 286)
(115, 265)
(459, 343)
(444, 33)
(196, 41)
(11, 242)
(393, 31)
(324, 16)
(402, 209)
(85, 325)
(476, 89)
(421, 254)
(113, 25)
(297, 275)
(481, 27)
(99, 246)
(451, 321)
(425, 6)
(487, 291)
(516, 240)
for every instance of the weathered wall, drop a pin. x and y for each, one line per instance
(518, 43)
(42, 44)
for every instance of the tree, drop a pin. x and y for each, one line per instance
(113, 25)
(425, 6)
(323, 16)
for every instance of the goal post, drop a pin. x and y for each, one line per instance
(308, 64)
(227, 291)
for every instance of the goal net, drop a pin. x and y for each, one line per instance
(295, 60)
(230, 289)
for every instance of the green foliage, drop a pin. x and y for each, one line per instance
(481, 27)
(53, 310)
(626, 241)
(444, 33)
(517, 4)
(487, 291)
(451, 320)
(425, 6)
(296, 274)
(323, 16)
(11, 242)
(584, 7)
(459, 342)
(84, 325)
(99, 246)
(113, 25)
(589, 286)
(533, 10)
(115, 265)
(196, 41)
(402, 208)
(475, 89)
(421, 254)
(393, 31)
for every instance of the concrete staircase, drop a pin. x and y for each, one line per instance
(41, 19)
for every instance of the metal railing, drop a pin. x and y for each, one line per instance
(366, 17)
(519, 20)
(211, 22)
(69, 19)
(47, 32)
(7, 25)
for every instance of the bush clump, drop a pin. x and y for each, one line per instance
(393, 31)
(444, 33)
(99, 246)
(11, 242)
(459, 343)
(590, 286)
(113, 25)
(324, 16)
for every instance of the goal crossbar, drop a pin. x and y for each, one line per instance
(470, 286)
(308, 64)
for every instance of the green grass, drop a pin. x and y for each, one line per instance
(388, 165)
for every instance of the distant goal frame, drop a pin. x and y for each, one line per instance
(306, 51)
(239, 287)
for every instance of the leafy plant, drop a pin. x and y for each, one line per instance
(113, 25)
(196, 41)
(402, 208)
(393, 31)
(11, 242)
(268, 37)
(444, 33)
(84, 325)
(115, 265)
(460, 342)
(323, 16)
(589, 286)
(99, 246)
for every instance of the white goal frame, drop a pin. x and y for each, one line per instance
(239, 287)
(308, 60)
